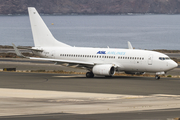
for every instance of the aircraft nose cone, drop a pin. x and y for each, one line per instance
(173, 64)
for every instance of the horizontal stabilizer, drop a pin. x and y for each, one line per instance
(18, 52)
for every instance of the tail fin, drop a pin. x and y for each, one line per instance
(41, 34)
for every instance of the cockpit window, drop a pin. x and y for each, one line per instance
(164, 58)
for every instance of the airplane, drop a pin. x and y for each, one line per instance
(97, 61)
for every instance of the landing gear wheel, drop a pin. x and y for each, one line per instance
(89, 75)
(157, 77)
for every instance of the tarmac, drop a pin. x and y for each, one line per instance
(45, 96)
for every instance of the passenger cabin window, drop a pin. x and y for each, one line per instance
(110, 57)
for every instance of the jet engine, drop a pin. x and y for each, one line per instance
(135, 73)
(106, 70)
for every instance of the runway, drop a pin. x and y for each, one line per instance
(79, 83)
(63, 96)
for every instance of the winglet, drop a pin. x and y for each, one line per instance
(18, 52)
(129, 45)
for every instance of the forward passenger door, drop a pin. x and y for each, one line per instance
(150, 59)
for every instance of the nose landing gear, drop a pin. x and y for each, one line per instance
(157, 77)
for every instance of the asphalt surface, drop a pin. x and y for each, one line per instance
(78, 83)
(170, 114)
(27, 64)
(23, 60)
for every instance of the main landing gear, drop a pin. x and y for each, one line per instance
(89, 75)
(157, 77)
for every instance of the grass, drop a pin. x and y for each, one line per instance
(169, 76)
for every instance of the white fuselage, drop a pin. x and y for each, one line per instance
(132, 60)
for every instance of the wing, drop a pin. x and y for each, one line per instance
(69, 63)
(78, 64)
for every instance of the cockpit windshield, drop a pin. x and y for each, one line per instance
(164, 58)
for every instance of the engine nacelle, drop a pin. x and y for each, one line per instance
(106, 70)
(135, 73)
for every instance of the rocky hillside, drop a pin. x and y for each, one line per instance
(91, 6)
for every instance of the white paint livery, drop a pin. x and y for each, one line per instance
(98, 61)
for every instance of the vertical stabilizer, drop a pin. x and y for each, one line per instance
(41, 34)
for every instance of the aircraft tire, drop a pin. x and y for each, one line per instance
(157, 77)
(89, 75)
